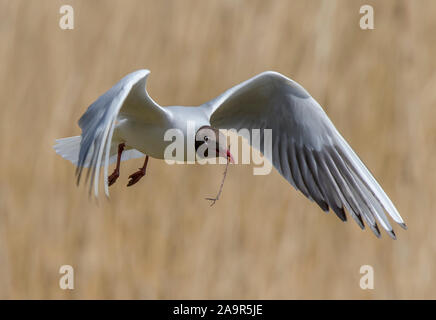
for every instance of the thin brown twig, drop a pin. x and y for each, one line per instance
(213, 200)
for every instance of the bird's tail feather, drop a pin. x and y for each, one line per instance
(69, 148)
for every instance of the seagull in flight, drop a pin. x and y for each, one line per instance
(307, 150)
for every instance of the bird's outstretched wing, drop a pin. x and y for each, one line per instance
(128, 96)
(307, 150)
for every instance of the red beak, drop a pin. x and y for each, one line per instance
(227, 155)
(230, 157)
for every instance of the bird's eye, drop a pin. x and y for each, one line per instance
(206, 138)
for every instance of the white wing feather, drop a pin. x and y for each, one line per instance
(128, 96)
(307, 150)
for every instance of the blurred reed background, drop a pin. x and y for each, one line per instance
(160, 239)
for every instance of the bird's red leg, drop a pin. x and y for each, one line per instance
(135, 177)
(114, 176)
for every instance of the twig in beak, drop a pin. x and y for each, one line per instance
(213, 200)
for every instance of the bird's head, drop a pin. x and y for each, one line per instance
(211, 143)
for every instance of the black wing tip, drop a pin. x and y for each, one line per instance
(360, 223)
(78, 175)
(376, 230)
(403, 225)
(323, 205)
(391, 233)
(340, 213)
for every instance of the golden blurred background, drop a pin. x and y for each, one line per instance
(263, 239)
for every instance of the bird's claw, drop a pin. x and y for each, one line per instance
(113, 177)
(135, 177)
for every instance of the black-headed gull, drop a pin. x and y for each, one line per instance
(307, 149)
